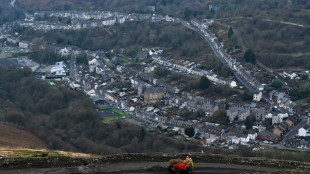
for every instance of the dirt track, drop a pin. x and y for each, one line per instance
(146, 168)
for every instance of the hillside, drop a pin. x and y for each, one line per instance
(177, 41)
(278, 31)
(8, 13)
(25, 139)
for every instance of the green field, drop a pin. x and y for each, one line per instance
(109, 64)
(108, 119)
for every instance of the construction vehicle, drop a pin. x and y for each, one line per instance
(178, 166)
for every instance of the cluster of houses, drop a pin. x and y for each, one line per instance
(232, 63)
(84, 15)
(191, 68)
(285, 126)
(283, 100)
(237, 112)
(193, 103)
(15, 41)
(302, 139)
(151, 95)
(89, 19)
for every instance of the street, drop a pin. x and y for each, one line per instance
(72, 66)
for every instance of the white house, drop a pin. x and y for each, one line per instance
(169, 19)
(155, 51)
(23, 44)
(64, 52)
(109, 21)
(304, 131)
(59, 69)
(257, 96)
(93, 64)
(279, 118)
(232, 84)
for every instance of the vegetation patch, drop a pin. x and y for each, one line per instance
(108, 119)
(31, 153)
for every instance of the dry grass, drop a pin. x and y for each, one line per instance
(15, 142)
(11, 137)
(23, 152)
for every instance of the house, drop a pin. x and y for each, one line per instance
(260, 114)
(290, 122)
(304, 131)
(232, 83)
(116, 79)
(13, 40)
(281, 128)
(266, 136)
(301, 144)
(23, 44)
(169, 19)
(210, 109)
(259, 128)
(149, 69)
(155, 51)
(154, 94)
(285, 103)
(241, 113)
(257, 96)
(276, 119)
(213, 7)
(109, 21)
(64, 52)
(232, 114)
(93, 64)
(59, 69)
(278, 131)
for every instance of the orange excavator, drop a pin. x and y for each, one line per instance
(178, 166)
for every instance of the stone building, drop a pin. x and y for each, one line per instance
(154, 94)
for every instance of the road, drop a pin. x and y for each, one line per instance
(73, 67)
(146, 168)
(293, 131)
(218, 53)
(13, 3)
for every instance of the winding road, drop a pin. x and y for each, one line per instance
(13, 3)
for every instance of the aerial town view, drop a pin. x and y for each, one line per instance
(154, 86)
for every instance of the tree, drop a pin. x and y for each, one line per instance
(250, 121)
(204, 83)
(190, 131)
(304, 77)
(219, 116)
(249, 56)
(15, 117)
(187, 13)
(163, 2)
(230, 32)
(247, 96)
(82, 59)
(276, 84)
